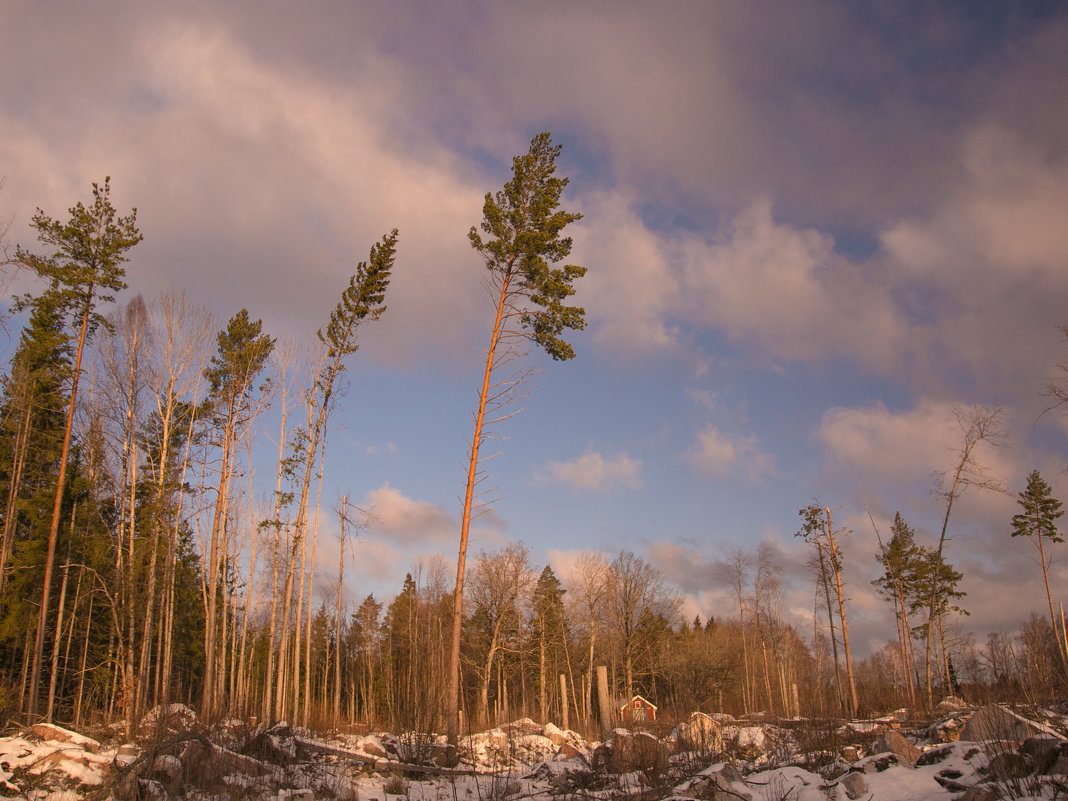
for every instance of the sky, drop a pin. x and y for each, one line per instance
(813, 232)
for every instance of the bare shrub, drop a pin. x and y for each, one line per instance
(396, 784)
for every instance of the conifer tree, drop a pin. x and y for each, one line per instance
(362, 301)
(83, 270)
(1038, 519)
(549, 630)
(242, 353)
(900, 559)
(523, 227)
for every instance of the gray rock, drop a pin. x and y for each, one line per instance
(895, 743)
(1000, 723)
(568, 751)
(1011, 765)
(444, 755)
(602, 756)
(168, 766)
(981, 792)
(725, 783)
(850, 753)
(853, 784)
(1043, 751)
(637, 751)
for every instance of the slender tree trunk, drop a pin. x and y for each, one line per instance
(453, 708)
(59, 630)
(14, 487)
(210, 697)
(164, 692)
(277, 525)
(130, 689)
(72, 625)
(767, 675)
(311, 584)
(241, 696)
(826, 581)
(1049, 597)
(842, 616)
(81, 667)
(57, 508)
(337, 615)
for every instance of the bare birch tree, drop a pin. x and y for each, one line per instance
(817, 528)
(734, 570)
(977, 425)
(589, 586)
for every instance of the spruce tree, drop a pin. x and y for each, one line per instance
(548, 629)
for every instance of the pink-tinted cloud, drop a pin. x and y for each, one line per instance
(593, 472)
(717, 454)
(394, 517)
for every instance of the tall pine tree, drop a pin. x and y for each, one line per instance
(1038, 520)
(83, 270)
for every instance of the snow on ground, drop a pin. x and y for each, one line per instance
(524, 760)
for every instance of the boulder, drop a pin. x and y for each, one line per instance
(568, 751)
(945, 731)
(521, 727)
(602, 756)
(276, 745)
(1010, 765)
(372, 747)
(951, 704)
(895, 742)
(721, 783)
(167, 766)
(169, 719)
(1001, 723)
(1043, 751)
(699, 733)
(126, 755)
(555, 733)
(854, 785)
(637, 751)
(981, 792)
(444, 755)
(751, 741)
(57, 734)
(850, 753)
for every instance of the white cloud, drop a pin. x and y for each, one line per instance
(631, 288)
(780, 290)
(717, 454)
(395, 517)
(593, 472)
(904, 445)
